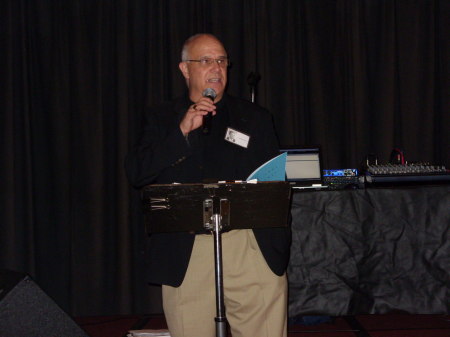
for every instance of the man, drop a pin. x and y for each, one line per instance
(173, 148)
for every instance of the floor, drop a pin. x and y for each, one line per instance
(392, 325)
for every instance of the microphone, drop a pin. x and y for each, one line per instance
(211, 94)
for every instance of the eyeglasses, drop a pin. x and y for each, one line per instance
(222, 62)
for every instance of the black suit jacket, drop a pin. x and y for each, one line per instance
(164, 155)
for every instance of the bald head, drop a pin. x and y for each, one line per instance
(185, 55)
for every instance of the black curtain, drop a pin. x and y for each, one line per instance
(357, 77)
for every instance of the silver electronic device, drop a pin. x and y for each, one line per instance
(304, 167)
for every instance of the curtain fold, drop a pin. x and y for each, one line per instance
(357, 77)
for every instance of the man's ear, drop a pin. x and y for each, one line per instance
(184, 69)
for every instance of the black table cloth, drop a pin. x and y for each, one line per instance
(370, 251)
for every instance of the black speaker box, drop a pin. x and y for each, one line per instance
(26, 311)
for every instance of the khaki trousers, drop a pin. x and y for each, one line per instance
(255, 298)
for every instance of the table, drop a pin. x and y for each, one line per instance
(373, 250)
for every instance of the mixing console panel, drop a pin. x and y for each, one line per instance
(399, 173)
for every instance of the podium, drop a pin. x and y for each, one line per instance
(214, 208)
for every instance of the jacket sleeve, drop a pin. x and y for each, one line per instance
(160, 146)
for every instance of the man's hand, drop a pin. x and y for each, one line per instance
(193, 118)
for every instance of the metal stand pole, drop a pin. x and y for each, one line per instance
(221, 320)
(216, 214)
(252, 80)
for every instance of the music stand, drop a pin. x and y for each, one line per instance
(215, 207)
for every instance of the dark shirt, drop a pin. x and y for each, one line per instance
(213, 150)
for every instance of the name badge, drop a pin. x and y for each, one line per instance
(236, 137)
